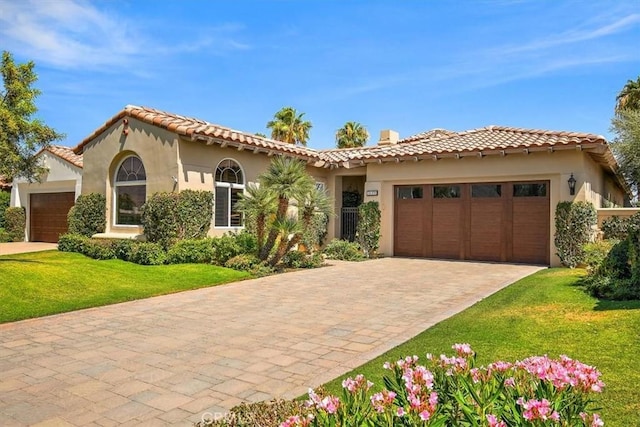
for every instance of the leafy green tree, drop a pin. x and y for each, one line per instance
(284, 184)
(629, 96)
(351, 135)
(289, 126)
(626, 146)
(21, 135)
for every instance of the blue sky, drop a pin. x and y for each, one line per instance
(405, 65)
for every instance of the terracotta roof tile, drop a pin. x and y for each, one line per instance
(66, 153)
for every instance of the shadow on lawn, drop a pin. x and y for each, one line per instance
(606, 305)
(4, 259)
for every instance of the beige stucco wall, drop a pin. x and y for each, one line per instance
(61, 177)
(555, 167)
(156, 147)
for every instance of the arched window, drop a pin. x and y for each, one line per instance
(229, 185)
(130, 191)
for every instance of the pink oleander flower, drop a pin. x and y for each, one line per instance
(356, 384)
(382, 400)
(500, 366)
(493, 421)
(400, 412)
(593, 420)
(510, 382)
(297, 421)
(463, 350)
(538, 410)
(329, 404)
(424, 415)
(563, 373)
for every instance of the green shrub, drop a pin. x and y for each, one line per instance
(314, 235)
(72, 243)
(15, 221)
(246, 241)
(368, 231)
(169, 217)
(615, 227)
(618, 276)
(574, 228)
(4, 236)
(242, 262)
(343, 250)
(595, 253)
(123, 248)
(148, 253)
(88, 215)
(224, 248)
(261, 270)
(5, 199)
(192, 251)
(298, 259)
(99, 249)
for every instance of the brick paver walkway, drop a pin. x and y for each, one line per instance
(168, 360)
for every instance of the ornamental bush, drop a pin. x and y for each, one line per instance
(368, 231)
(15, 221)
(343, 250)
(169, 217)
(454, 391)
(615, 227)
(71, 242)
(574, 228)
(224, 248)
(147, 253)
(242, 262)
(5, 199)
(88, 215)
(191, 251)
(618, 275)
(299, 259)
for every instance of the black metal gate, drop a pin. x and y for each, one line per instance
(349, 223)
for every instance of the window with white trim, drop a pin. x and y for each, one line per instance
(130, 191)
(229, 186)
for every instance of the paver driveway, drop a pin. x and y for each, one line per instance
(170, 359)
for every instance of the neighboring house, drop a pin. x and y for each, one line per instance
(48, 200)
(485, 194)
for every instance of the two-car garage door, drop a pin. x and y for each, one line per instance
(48, 215)
(506, 222)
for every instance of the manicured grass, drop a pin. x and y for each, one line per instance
(43, 283)
(545, 313)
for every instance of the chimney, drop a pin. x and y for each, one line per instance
(388, 137)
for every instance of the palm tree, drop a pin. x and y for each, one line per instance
(287, 178)
(629, 96)
(258, 204)
(288, 126)
(351, 135)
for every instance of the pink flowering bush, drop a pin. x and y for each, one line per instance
(453, 391)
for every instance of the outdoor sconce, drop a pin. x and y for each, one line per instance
(125, 127)
(572, 185)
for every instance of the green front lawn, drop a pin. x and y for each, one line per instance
(545, 313)
(43, 283)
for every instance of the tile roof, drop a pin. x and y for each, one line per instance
(433, 144)
(200, 130)
(65, 153)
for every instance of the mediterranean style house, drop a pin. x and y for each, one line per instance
(485, 194)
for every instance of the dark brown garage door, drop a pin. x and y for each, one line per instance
(506, 222)
(48, 215)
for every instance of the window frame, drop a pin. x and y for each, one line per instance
(229, 186)
(118, 184)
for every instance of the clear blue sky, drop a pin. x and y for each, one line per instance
(405, 65)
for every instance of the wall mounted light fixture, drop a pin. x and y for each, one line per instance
(572, 185)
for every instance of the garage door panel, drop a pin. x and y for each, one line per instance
(530, 229)
(48, 215)
(486, 231)
(447, 235)
(409, 230)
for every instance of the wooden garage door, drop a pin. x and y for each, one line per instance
(48, 215)
(507, 222)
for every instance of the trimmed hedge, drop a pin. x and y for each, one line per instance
(15, 221)
(343, 250)
(88, 215)
(615, 227)
(193, 251)
(5, 199)
(574, 228)
(368, 232)
(169, 217)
